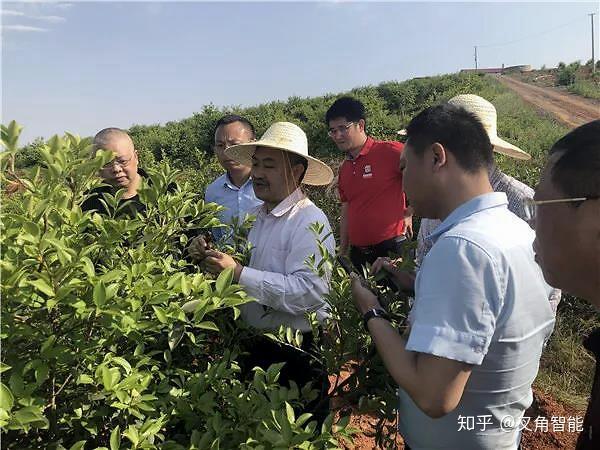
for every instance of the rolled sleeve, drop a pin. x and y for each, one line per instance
(458, 298)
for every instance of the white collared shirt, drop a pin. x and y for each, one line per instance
(277, 276)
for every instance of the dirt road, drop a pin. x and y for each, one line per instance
(570, 109)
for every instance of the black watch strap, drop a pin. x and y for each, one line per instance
(375, 312)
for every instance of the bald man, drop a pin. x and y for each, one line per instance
(121, 173)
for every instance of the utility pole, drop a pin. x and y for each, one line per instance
(475, 57)
(593, 58)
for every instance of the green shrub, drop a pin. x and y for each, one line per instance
(110, 338)
(586, 88)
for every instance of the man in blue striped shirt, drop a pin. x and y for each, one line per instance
(233, 189)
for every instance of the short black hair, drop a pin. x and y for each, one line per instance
(458, 130)
(232, 118)
(349, 108)
(576, 172)
(294, 159)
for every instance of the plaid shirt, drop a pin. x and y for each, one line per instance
(516, 192)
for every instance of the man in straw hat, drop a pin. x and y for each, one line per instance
(373, 220)
(481, 317)
(517, 192)
(565, 213)
(277, 276)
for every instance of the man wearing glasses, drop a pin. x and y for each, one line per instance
(374, 219)
(565, 213)
(121, 173)
(480, 317)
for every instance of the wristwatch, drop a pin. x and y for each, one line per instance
(375, 312)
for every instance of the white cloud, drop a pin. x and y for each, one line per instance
(10, 12)
(64, 5)
(53, 19)
(23, 28)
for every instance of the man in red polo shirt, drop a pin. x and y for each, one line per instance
(374, 219)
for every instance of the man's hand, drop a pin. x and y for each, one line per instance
(408, 227)
(364, 299)
(198, 248)
(403, 279)
(216, 262)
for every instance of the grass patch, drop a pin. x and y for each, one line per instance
(586, 88)
(566, 367)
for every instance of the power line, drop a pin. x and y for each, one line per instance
(532, 35)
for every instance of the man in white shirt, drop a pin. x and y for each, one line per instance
(277, 276)
(481, 314)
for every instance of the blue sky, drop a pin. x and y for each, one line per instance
(82, 66)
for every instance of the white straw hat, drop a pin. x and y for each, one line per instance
(290, 138)
(486, 113)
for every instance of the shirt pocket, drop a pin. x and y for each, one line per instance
(273, 258)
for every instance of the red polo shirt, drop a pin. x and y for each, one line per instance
(371, 185)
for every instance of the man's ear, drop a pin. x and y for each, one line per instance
(361, 124)
(297, 170)
(438, 155)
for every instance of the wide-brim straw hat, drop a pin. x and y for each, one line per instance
(487, 115)
(290, 138)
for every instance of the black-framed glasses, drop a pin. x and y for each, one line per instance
(342, 129)
(531, 205)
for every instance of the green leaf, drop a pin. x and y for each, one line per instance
(133, 435)
(31, 415)
(78, 445)
(43, 287)
(115, 438)
(99, 294)
(6, 398)
(107, 379)
(123, 363)
(290, 413)
(31, 228)
(208, 325)
(87, 266)
(224, 280)
(85, 379)
(160, 314)
(175, 335)
(184, 285)
(4, 367)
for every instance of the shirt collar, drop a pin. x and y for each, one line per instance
(467, 209)
(286, 204)
(366, 148)
(228, 183)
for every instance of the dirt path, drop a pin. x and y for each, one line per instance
(570, 109)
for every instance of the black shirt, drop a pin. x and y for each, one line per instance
(130, 206)
(590, 436)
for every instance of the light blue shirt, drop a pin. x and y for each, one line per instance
(237, 201)
(480, 298)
